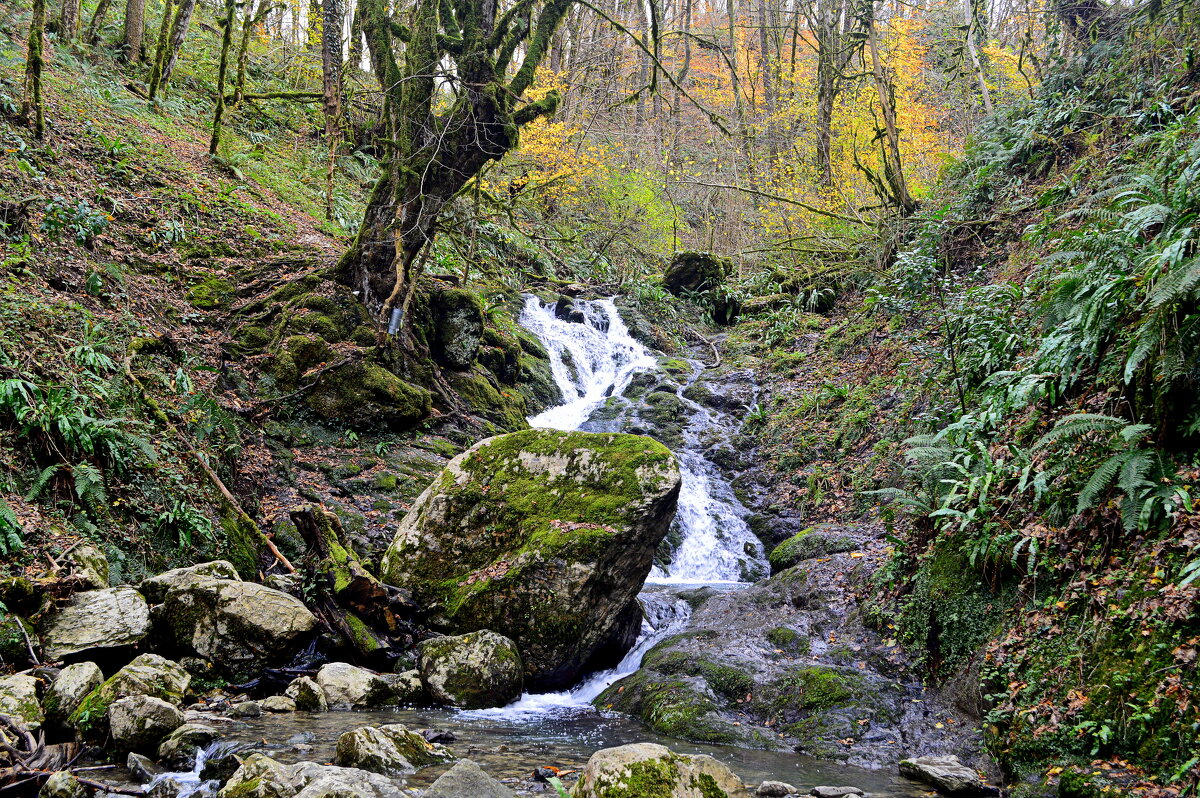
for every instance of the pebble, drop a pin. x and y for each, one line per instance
(775, 789)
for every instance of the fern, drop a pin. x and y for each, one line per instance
(41, 481)
(11, 531)
(89, 485)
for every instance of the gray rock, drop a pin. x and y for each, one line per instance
(307, 694)
(18, 697)
(945, 773)
(775, 789)
(285, 583)
(89, 566)
(67, 692)
(407, 688)
(246, 709)
(241, 627)
(179, 748)
(155, 588)
(166, 788)
(701, 776)
(347, 686)
(391, 750)
(142, 768)
(262, 777)
(140, 722)
(96, 620)
(467, 780)
(472, 671)
(563, 585)
(63, 784)
(836, 792)
(278, 703)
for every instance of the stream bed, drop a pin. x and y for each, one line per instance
(595, 361)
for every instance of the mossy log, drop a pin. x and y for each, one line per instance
(371, 616)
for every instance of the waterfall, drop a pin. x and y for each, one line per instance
(595, 359)
(591, 361)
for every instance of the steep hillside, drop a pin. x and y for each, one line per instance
(1017, 393)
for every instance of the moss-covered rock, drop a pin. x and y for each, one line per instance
(816, 541)
(391, 750)
(96, 620)
(647, 770)
(210, 293)
(674, 705)
(503, 406)
(474, 671)
(18, 698)
(457, 327)
(148, 674)
(695, 272)
(366, 395)
(15, 634)
(545, 537)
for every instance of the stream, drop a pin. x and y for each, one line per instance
(594, 360)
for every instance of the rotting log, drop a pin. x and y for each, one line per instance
(374, 618)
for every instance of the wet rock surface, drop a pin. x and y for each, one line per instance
(544, 537)
(96, 620)
(787, 663)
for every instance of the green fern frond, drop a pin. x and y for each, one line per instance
(1078, 425)
(40, 483)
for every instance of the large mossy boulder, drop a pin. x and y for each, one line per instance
(140, 722)
(96, 620)
(241, 627)
(348, 686)
(366, 395)
(155, 588)
(695, 272)
(259, 776)
(457, 327)
(648, 770)
(545, 537)
(822, 540)
(392, 750)
(473, 671)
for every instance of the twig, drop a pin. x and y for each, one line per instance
(713, 346)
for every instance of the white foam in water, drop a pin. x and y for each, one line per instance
(716, 544)
(604, 355)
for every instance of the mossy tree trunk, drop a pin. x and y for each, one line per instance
(893, 186)
(32, 107)
(98, 17)
(222, 68)
(332, 17)
(170, 47)
(371, 616)
(435, 155)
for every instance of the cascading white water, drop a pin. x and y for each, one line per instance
(601, 353)
(592, 361)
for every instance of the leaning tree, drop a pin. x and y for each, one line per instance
(454, 76)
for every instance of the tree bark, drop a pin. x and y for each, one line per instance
(332, 16)
(893, 164)
(98, 17)
(31, 100)
(972, 23)
(135, 23)
(160, 50)
(179, 29)
(68, 29)
(222, 68)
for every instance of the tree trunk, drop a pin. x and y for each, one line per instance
(226, 39)
(31, 100)
(972, 23)
(248, 22)
(160, 51)
(135, 23)
(893, 164)
(331, 79)
(179, 29)
(69, 23)
(101, 13)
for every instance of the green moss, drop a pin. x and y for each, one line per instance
(210, 293)
(813, 542)
(787, 639)
(504, 407)
(649, 778)
(708, 786)
(366, 395)
(242, 543)
(670, 706)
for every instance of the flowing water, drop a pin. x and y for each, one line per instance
(593, 360)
